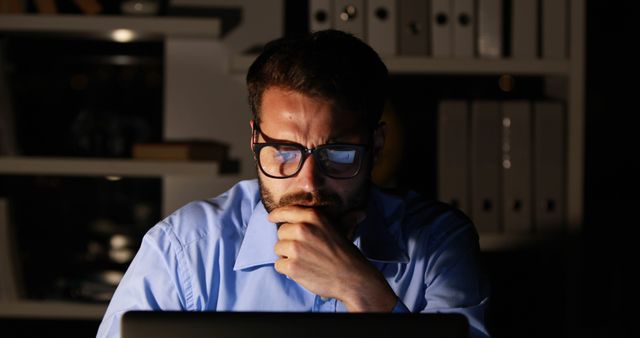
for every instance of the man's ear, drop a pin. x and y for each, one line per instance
(379, 136)
(251, 122)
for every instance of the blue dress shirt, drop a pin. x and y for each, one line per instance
(218, 254)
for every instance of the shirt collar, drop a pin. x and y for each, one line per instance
(379, 236)
(374, 237)
(260, 238)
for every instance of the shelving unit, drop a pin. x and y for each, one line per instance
(104, 167)
(421, 65)
(182, 181)
(105, 24)
(52, 310)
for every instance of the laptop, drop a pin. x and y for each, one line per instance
(170, 324)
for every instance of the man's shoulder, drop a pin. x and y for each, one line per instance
(421, 215)
(225, 215)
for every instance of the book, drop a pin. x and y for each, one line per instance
(181, 151)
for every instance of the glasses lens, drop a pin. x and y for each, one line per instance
(280, 160)
(340, 161)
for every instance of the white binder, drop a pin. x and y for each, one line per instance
(453, 154)
(485, 169)
(441, 21)
(381, 26)
(516, 167)
(463, 22)
(413, 27)
(524, 29)
(349, 17)
(320, 15)
(554, 29)
(549, 166)
(490, 29)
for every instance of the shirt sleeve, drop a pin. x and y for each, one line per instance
(400, 308)
(455, 281)
(150, 283)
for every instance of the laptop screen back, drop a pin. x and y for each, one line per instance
(144, 324)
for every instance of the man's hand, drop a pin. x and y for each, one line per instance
(317, 253)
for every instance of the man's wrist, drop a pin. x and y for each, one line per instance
(380, 298)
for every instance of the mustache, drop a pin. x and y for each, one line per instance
(311, 199)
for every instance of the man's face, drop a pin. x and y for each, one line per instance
(288, 116)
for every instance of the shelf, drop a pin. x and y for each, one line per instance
(426, 65)
(105, 24)
(493, 242)
(52, 309)
(105, 167)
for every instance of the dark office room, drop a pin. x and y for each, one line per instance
(505, 141)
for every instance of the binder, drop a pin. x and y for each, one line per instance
(7, 126)
(549, 166)
(9, 274)
(12, 7)
(349, 17)
(554, 29)
(381, 26)
(413, 27)
(441, 19)
(463, 22)
(490, 29)
(320, 15)
(524, 29)
(485, 170)
(453, 154)
(516, 167)
(46, 6)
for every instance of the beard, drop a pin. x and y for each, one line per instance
(329, 202)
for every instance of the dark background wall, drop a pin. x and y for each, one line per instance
(609, 292)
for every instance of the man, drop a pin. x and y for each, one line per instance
(312, 233)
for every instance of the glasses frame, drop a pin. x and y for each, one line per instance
(306, 152)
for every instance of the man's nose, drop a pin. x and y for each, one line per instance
(309, 177)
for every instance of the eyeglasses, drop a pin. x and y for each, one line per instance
(284, 160)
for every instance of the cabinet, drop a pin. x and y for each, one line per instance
(172, 183)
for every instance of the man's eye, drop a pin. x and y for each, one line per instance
(341, 156)
(287, 155)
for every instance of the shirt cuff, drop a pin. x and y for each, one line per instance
(400, 307)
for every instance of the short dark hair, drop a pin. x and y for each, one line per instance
(327, 64)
